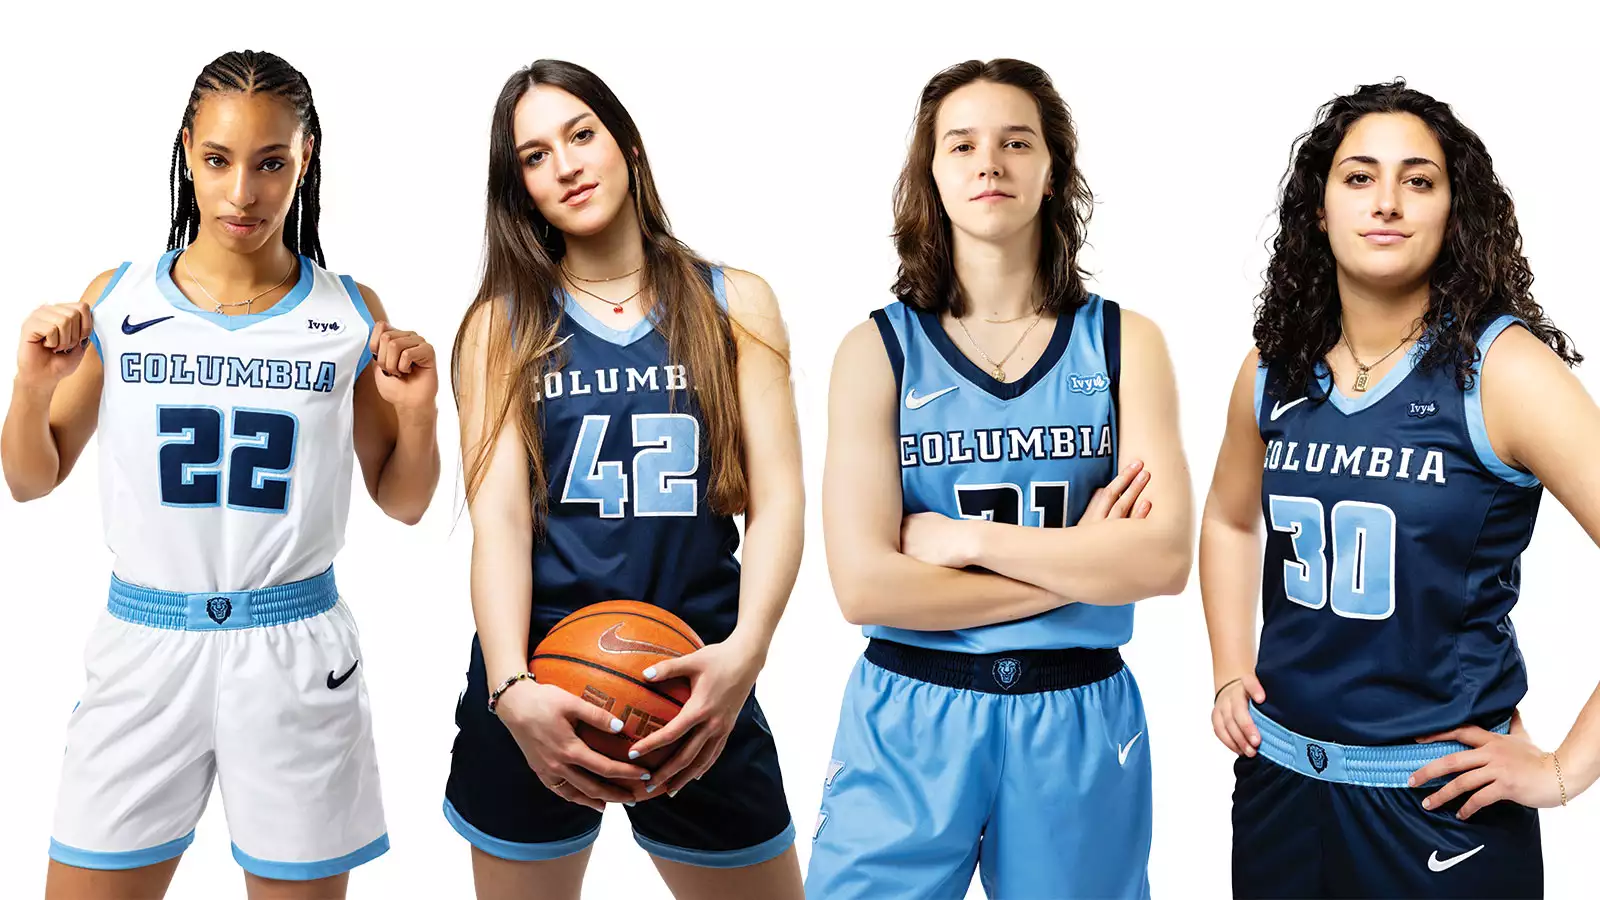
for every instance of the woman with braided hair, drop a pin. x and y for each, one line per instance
(230, 384)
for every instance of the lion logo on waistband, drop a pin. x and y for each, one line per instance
(1007, 671)
(219, 609)
(1317, 756)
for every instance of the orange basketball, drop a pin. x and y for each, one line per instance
(599, 654)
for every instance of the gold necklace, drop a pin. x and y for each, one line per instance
(616, 305)
(184, 259)
(1363, 369)
(1000, 365)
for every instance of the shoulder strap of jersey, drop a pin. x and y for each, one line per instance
(1111, 343)
(891, 345)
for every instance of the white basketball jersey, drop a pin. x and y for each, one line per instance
(225, 441)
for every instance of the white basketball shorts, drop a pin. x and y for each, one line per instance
(258, 690)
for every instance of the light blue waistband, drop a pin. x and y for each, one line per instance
(223, 610)
(1384, 766)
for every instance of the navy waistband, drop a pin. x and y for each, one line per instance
(1016, 672)
(223, 610)
(1387, 766)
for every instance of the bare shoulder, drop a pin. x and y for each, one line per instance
(1516, 355)
(1141, 334)
(749, 295)
(97, 286)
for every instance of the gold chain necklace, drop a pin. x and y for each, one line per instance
(1000, 365)
(616, 305)
(1361, 368)
(184, 259)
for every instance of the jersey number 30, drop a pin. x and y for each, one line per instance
(261, 456)
(664, 467)
(1362, 586)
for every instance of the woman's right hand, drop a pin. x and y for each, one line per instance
(54, 341)
(1119, 499)
(543, 719)
(1230, 716)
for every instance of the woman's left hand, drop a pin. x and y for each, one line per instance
(721, 677)
(1495, 767)
(407, 377)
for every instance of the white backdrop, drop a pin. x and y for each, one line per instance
(776, 134)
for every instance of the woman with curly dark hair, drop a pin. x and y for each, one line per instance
(1405, 403)
(978, 526)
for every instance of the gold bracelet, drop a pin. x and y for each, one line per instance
(1559, 780)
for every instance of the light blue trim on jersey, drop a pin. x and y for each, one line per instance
(169, 290)
(309, 871)
(223, 610)
(1473, 401)
(104, 293)
(1391, 380)
(622, 337)
(1261, 388)
(512, 850)
(1381, 767)
(720, 859)
(360, 303)
(719, 287)
(122, 859)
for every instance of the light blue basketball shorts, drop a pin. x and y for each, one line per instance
(1032, 766)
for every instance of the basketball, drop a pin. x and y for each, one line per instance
(599, 654)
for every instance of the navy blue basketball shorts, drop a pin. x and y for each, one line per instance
(734, 815)
(1319, 819)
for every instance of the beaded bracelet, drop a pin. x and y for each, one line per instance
(494, 696)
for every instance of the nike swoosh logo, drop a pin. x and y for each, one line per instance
(129, 328)
(915, 402)
(334, 683)
(1279, 409)
(1122, 749)
(612, 642)
(1435, 864)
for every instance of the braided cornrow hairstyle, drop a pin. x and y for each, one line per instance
(252, 72)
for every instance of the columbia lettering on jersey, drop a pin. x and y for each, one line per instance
(1026, 452)
(226, 441)
(1391, 564)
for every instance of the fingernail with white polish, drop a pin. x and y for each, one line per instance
(645, 777)
(616, 725)
(651, 789)
(627, 803)
(650, 674)
(672, 793)
(633, 754)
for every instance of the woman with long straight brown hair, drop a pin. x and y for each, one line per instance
(978, 526)
(621, 400)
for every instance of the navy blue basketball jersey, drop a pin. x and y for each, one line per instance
(625, 448)
(1027, 452)
(1393, 539)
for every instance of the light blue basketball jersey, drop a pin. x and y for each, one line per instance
(1029, 452)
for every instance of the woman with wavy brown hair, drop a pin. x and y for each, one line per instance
(1404, 405)
(979, 527)
(622, 399)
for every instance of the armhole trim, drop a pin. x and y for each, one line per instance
(1111, 345)
(891, 345)
(360, 304)
(94, 332)
(1472, 400)
(1261, 391)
